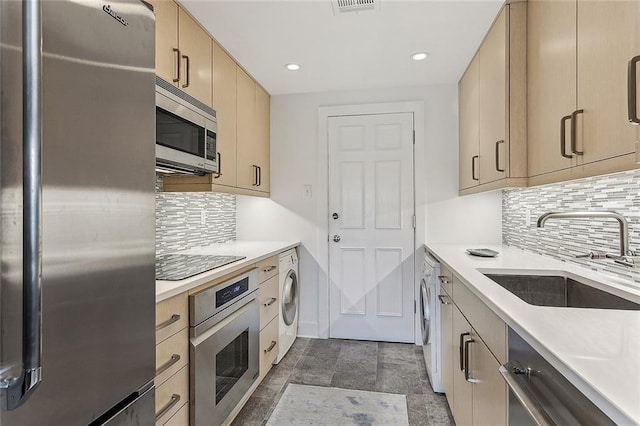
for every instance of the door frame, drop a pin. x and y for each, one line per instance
(322, 214)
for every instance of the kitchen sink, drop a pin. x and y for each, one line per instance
(556, 290)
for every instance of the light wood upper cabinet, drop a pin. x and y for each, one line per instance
(224, 102)
(263, 117)
(551, 83)
(492, 107)
(252, 134)
(247, 173)
(469, 126)
(579, 53)
(493, 82)
(167, 58)
(195, 50)
(183, 51)
(608, 37)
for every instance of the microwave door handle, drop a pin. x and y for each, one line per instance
(219, 172)
(15, 390)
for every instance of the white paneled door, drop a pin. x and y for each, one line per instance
(371, 230)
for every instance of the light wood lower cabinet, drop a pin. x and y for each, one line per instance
(268, 346)
(172, 395)
(269, 300)
(446, 335)
(181, 418)
(475, 390)
(172, 360)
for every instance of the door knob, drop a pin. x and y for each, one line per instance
(335, 215)
(336, 238)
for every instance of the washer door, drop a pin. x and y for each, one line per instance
(425, 312)
(290, 298)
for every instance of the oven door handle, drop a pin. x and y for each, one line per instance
(528, 402)
(208, 328)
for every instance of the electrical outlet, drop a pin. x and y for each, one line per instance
(203, 217)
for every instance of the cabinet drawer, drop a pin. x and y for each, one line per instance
(171, 355)
(446, 279)
(268, 346)
(171, 395)
(268, 268)
(171, 316)
(492, 330)
(181, 418)
(269, 300)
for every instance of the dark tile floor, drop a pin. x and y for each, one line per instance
(351, 364)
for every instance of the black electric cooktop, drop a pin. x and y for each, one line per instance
(176, 267)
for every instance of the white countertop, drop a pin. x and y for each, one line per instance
(254, 251)
(598, 350)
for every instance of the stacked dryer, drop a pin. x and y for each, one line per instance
(289, 301)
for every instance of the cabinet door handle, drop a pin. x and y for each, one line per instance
(270, 302)
(259, 176)
(473, 167)
(462, 349)
(271, 346)
(255, 175)
(178, 55)
(498, 169)
(167, 365)
(219, 172)
(175, 398)
(574, 131)
(442, 299)
(167, 323)
(466, 360)
(187, 71)
(632, 82)
(563, 137)
(443, 279)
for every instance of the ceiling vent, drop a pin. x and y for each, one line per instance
(345, 6)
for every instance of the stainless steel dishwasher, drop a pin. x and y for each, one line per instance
(540, 395)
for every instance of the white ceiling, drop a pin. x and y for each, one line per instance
(362, 50)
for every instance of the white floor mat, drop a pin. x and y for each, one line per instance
(315, 405)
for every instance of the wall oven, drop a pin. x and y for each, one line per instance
(185, 132)
(224, 347)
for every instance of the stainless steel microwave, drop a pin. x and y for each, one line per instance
(185, 132)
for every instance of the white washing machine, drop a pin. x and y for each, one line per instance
(430, 320)
(289, 301)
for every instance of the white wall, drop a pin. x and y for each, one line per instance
(295, 163)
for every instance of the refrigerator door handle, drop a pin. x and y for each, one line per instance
(15, 390)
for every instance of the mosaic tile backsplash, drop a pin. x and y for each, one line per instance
(179, 219)
(563, 239)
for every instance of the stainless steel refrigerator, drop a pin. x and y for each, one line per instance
(77, 212)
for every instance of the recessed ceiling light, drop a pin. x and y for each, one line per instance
(419, 56)
(292, 67)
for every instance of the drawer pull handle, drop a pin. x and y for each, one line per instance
(443, 279)
(167, 365)
(270, 302)
(174, 318)
(175, 398)
(462, 349)
(269, 269)
(443, 300)
(466, 360)
(271, 346)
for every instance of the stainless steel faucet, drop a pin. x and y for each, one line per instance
(624, 227)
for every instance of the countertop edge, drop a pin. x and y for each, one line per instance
(169, 289)
(609, 407)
